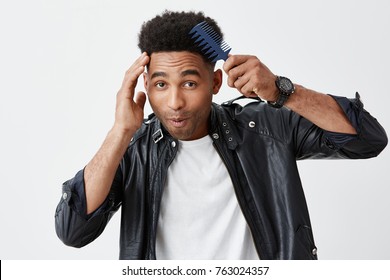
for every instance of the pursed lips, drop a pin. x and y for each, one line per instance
(178, 122)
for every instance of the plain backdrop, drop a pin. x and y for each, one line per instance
(62, 63)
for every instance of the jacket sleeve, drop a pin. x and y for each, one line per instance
(313, 142)
(72, 225)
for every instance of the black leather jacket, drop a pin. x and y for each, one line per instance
(258, 144)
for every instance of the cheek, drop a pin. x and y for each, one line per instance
(154, 104)
(154, 98)
(158, 103)
(205, 99)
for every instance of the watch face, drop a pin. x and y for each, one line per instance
(285, 85)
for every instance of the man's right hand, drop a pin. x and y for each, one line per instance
(129, 110)
(100, 171)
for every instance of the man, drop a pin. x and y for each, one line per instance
(198, 180)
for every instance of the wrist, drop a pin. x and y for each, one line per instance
(122, 134)
(285, 89)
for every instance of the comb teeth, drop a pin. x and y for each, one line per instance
(210, 42)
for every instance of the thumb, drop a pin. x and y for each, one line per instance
(140, 99)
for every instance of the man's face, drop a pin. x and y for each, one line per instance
(180, 86)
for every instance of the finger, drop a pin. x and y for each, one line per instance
(228, 64)
(129, 83)
(140, 60)
(241, 81)
(233, 61)
(140, 99)
(250, 90)
(135, 71)
(235, 74)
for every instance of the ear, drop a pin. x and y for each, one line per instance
(217, 81)
(146, 81)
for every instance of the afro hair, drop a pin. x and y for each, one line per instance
(169, 32)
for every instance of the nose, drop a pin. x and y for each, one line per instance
(176, 99)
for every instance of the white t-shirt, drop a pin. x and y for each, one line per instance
(199, 216)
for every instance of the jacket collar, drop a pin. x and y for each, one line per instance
(220, 128)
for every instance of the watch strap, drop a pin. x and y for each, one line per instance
(286, 88)
(282, 98)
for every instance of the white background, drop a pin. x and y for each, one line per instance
(62, 62)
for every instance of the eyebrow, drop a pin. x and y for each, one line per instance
(158, 74)
(182, 74)
(190, 72)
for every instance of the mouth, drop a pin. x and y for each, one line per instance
(177, 122)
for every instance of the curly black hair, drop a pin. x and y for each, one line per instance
(169, 32)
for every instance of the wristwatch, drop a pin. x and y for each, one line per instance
(286, 88)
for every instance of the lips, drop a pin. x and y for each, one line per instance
(177, 122)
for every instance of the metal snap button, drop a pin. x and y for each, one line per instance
(64, 196)
(252, 124)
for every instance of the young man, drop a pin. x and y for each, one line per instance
(204, 181)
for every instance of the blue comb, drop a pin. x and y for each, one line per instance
(211, 43)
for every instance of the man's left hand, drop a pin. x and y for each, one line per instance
(251, 77)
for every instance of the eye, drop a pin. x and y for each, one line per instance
(160, 85)
(189, 84)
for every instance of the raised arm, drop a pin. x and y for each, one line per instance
(252, 78)
(100, 171)
(96, 186)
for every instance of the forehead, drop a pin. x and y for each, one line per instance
(176, 62)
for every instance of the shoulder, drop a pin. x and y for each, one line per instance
(244, 111)
(149, 126)
(248, 116)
